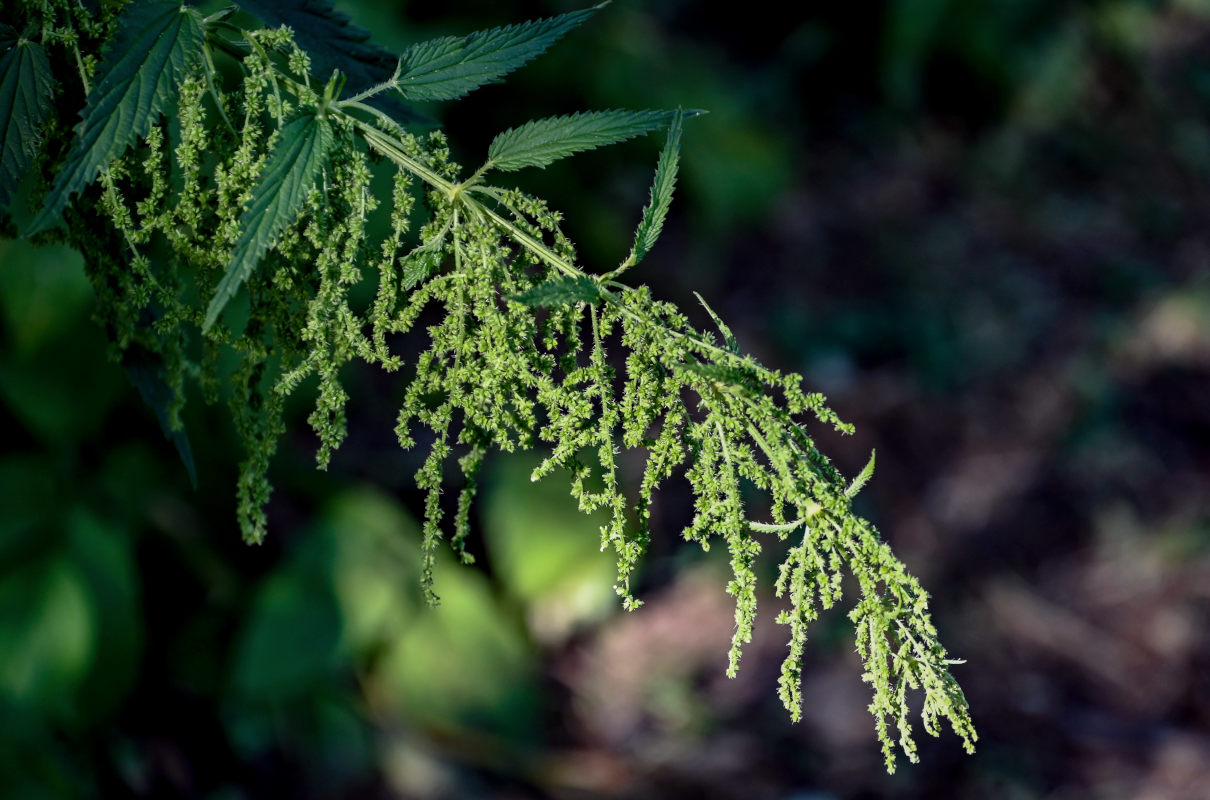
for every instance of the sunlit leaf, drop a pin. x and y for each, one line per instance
(661, 193)
(729, 340)
(543, 141)
(563, 291)
(863, 477)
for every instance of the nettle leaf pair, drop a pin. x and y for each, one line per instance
(227, 219)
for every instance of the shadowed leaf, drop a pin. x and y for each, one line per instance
(289, 177)
(334, 42)
(449, 67)
(148, 378)
(26, 87)
(157, 45)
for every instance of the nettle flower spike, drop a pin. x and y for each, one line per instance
(244, 238)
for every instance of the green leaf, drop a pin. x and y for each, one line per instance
(719, 373)
(544, 551)
(103, 554)
(329, 38)
(334, 42)
(729, 341)
(148, 378)
(419, 265)
(862, 478)
(26, 87)
(543, 141)
(158, 43)
(449, 67)
(48, 633)
(661, 194)
(291, 638)
(293, 168)
(561, 291)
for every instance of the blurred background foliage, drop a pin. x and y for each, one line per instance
(979, 225)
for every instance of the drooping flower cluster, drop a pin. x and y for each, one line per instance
(229, 223)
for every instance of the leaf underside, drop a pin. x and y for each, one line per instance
(26, 88)
(561, 291)
(291, 173)
(157, 45)
(544, 141)
(449, 67)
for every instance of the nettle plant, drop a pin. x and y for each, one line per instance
(217, 183)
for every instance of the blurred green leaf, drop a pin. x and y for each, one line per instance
(43, 293)
(43, 392)
(103, 555)
(131, 475)
(464, 664)
(30, 501)
(912, 28)
(1055, 79)
(375, 566)
(1128, 25)
(291, 640)
(48, 634)
(545, 552)
(33, 761)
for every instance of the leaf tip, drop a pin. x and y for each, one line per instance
(44, 221)
(212, 313)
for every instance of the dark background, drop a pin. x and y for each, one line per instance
(979, 225)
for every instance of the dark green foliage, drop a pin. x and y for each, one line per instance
(516, 357)
(26, 88)
(450, 67)
(330, 39)
(149, 379)
(158, 45)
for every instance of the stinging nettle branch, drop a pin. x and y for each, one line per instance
(222, 217)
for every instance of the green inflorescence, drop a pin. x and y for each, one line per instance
(227, 219)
